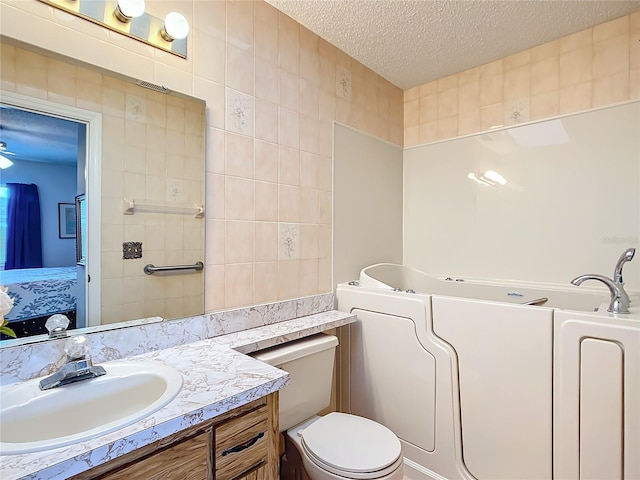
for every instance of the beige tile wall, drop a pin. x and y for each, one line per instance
(273, 90)
(271, 229)
(594, 67)
(152, 151)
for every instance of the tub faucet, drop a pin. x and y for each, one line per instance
(77, 367)
(619, 298)
(626, 256)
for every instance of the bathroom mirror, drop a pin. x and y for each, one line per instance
(129, 163)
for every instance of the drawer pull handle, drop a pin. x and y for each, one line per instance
(244, 446)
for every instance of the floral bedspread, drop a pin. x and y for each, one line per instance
(40, 291)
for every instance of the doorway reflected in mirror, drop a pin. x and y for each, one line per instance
(39, 227)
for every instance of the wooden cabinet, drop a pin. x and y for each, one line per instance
(239, 445)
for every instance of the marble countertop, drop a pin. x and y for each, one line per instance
(218, 377)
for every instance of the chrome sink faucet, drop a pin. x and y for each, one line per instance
(619, 297)
(626, 256)
(77, 367)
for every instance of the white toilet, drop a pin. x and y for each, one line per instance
(336, 446)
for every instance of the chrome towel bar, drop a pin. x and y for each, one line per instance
(130, 206)
(150, 269)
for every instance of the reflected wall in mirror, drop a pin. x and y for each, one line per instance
(151, 151)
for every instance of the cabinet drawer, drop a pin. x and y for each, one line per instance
(241, 444)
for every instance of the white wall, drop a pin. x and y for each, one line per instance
(56, 184)
(567, 209)
(367, 202)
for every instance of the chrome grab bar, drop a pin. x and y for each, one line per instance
(150, 269)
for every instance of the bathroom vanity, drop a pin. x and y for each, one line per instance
(240, 444)
(221, 425)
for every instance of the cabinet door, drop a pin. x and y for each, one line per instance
(187, 460)
(242, 444)
(258, 474)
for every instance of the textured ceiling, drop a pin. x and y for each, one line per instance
(411, 42)
(38, 138)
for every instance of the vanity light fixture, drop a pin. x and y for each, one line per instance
(126, 10)
(128, 17)
(176, 27)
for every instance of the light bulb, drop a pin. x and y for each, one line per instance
(129, 9)
(176, 27)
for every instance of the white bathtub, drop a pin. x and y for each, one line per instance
(465, 375)
(389, 276)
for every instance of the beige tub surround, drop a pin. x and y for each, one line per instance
(543, 225)
(218, 377)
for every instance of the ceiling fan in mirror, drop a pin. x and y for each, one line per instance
(4, 151)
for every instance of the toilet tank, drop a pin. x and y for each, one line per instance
(309, 363)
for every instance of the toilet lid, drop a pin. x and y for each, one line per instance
(351, 444)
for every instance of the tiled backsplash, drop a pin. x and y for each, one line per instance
(22, 362)
(591, 68)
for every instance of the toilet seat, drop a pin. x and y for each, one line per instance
(352, 446)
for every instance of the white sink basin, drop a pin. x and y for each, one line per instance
(32, 420)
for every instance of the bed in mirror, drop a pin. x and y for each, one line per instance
(103, 145)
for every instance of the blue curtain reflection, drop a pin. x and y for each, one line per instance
(24, 237)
